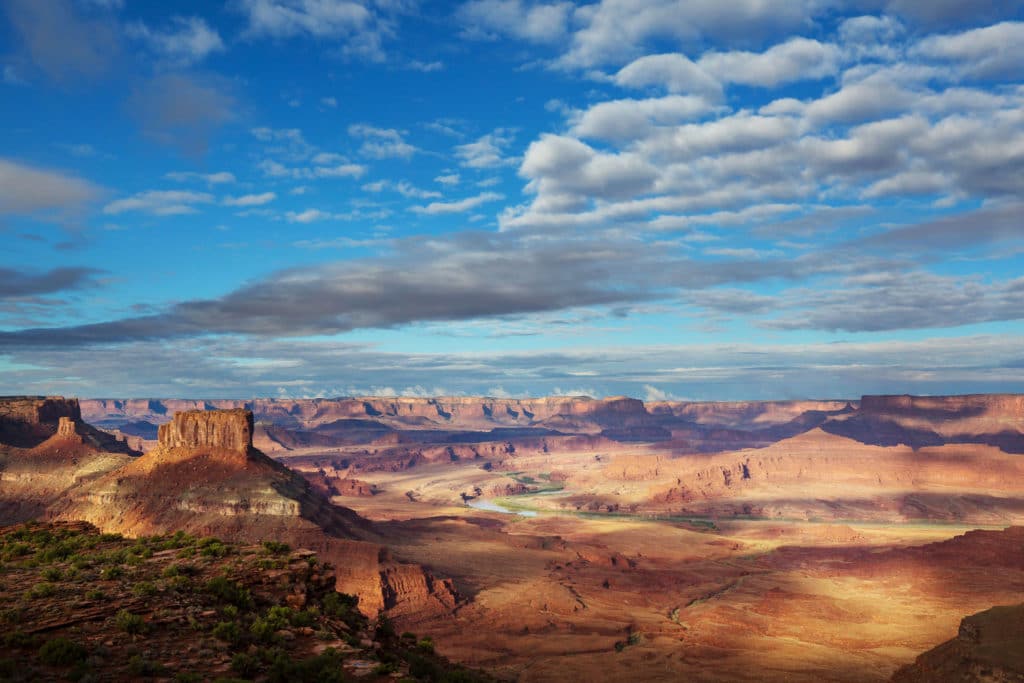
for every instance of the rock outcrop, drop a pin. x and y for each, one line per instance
(27, 421)
(199, 429)
(988, 647)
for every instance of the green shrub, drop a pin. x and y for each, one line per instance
(130, 623)
(339, 604)
(245, 665)
(41, 590)
(276, 547)
(144, 589)
(52, 574)
(95, 594)
(141, 666)
(227, 631)
(180, 569)
(426, 645)
(111, 573)
(212, 547)
(62, 652)
(226, 590)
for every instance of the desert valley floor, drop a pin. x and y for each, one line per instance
(581, 539)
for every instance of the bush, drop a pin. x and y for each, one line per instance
(226, 590)
(111, 573)
(212, 547)
(276, 547)
(140, 666)
(179, 569)
(62, 652)
(144, 589)
(426, 645)
(339, 604)
(130, 623)
(52, 574)
(227, 631)
(41, 590)
(245, 665)
(95, 594)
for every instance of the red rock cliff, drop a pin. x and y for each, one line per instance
(197, 429)
(29, 420)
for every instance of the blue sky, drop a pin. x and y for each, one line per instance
(665, 199)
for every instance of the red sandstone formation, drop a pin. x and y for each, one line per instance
(227, 429)
(989, 646)
(206, 478)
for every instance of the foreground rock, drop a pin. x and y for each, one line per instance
(988, 647)
(80, 605)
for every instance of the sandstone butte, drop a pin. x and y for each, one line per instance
(205, 478)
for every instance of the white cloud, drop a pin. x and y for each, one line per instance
(990, 52)
(28, 189)
(796, 59)
(307, 216)
(160, 202)
(622, 120)
(275, 169)
(381, 143)
(219, 178)
(250, 199)
(402, 187)
(534, 22)
(674, 72)
(436, 208)
(360, 29)
(426, 67)
(449, 179)
(616, 31)
(188, 40)
(487, 152)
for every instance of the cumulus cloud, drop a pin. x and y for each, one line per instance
(797, 59)
(360, 28)
(615, 31)
(488, 151)
(624, 120)
(535, 22)
(186, 41)
(674, 72)
(990, 52)
(382, 143)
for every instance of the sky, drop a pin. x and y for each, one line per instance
(667, 199)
